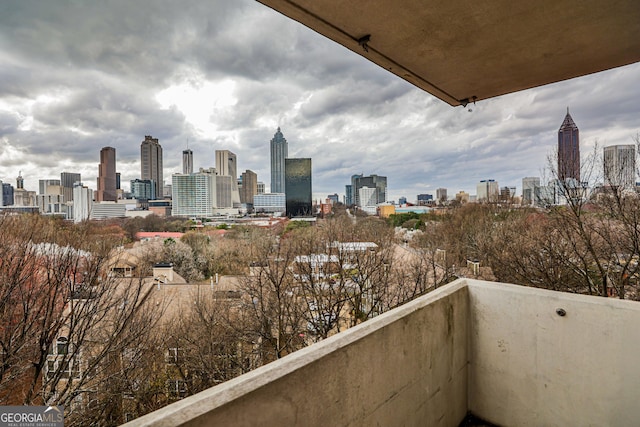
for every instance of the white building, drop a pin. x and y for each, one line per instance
(194, 195)
(269, 202)
(620, 166)
(487, 190)
(82, 201)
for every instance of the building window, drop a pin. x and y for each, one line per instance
(62, 345)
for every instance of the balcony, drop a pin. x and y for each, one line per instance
(510, 355)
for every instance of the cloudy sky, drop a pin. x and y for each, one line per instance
(77, 76)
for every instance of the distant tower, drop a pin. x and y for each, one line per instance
(107, 176)
(620, 166)
(151, 162)
(279, 152)
(187, 162)
(568, 150)
(249, 186)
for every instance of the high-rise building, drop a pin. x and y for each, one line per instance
(348, 195)
(530, 190)
(106, 191)
(568, 151)
(151, 162)
(227, 165)
(298, 186)
(187, 161)
(249, 186)
(261, 187)
(194, 195)
(67, 179)
(45, 184)
(620, 166)
(379, 183)
(441, 195)
(487, 190)
(82, 202)
(143, 189)
(7, 194)
(279, 152)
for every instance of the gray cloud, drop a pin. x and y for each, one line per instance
(78, 76)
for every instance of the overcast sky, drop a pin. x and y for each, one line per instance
(77, 76)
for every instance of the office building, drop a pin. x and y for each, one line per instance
(279, 152)
(45, 184)
(261, 187)
(227, 166)
(487, 191)
(348, 195)
(249, 186)
(298, 186)
(379, 183)
(441, 195)
(530, 190)
(82, 202)
(620, 166)
(194, 195)
(568, 151)
(269, 203)
(107, 186)
(67, 180)
(187, 161)
(7, 194)
(143, 189)
(151, 162)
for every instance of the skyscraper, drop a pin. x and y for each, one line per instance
(151, 162)
(249, 186)
(194, 195)
(530, 190)
(487, 191)
(106, 176)
(568, 151)
(67, 179)
(379, 183)
(279, 152)
(298, 186)
(620, 166)
(187, 161)
(227, 165)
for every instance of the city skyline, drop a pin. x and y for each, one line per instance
(76, 79)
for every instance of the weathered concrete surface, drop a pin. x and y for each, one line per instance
(531, 367)
(407, 367)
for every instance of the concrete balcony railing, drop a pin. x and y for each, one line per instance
(510, 355)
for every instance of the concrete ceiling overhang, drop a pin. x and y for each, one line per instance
(461, 51)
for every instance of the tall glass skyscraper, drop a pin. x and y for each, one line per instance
(568, 151)
(279, 152)
(298, 185)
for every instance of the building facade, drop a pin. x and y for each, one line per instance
(568, 150)
(298, 187)
(249, 186)
(227, 166)
(530, 190)
(279, 152)
(269, 203)
(441, 195)
(82, 202)
(620, 166)
(487, 191)
(106, 191)
(151, 162)
(379, 183)
(187, 161)
(194, 195)
(143, 189)
(67, 180)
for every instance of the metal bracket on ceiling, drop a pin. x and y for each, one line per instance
(364, 42)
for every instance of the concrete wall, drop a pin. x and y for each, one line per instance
(407, 367)
(531, 367)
